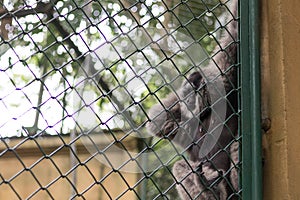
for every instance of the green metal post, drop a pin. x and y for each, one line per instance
(250, 100)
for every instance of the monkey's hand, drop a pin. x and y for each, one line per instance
(195, 181)
(164, 118)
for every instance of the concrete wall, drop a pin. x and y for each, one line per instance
(281, 97)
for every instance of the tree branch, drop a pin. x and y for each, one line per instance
(66, 35)
(41, 7)
(47, 8)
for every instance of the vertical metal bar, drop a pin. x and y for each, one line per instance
(250, 100)
(73, 162)
(255, 91)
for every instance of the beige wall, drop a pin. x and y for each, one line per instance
(49, 172)
(281, 97)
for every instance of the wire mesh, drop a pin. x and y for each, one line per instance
(79, 81)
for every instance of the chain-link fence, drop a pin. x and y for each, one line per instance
(85, 84)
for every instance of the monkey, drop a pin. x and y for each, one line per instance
(201, 117)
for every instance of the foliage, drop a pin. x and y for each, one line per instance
(109, 59)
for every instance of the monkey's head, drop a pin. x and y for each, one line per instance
(194, 96)
(191, 101)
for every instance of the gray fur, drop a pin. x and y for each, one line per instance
(192, 106)
(234, 174)
(198, 182)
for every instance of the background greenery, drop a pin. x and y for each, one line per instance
(108, 61)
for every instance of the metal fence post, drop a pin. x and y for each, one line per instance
(250, 101)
